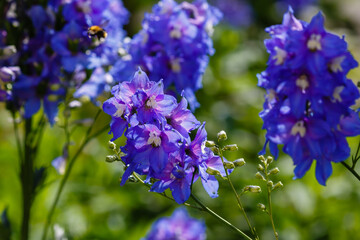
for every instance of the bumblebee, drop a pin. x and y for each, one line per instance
(97, 31)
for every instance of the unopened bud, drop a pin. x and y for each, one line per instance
(269, 159)
(111, 145)
(209, 144)
(231, 147)
(260, 167)
(274, 171)
(239, 162)
(262, 159)
(252, 188)
(215, 150)
(278, 185)
(132, 179)
(270, 183)
(221, 136)
(7, 51)
(111, 158)
(212, 171)
(258, 175)
(261, 206)
(229, 165)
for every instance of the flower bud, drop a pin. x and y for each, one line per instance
(111, 158)
(262, 159)
(261, 206)
(270, 183)
(278, 185)
(212, 171)
(252, 188)
(7, 51)
(231, 147)
(229, 165)
(239, 162)
(111, 145)
(274, 171)
(132, 179)
(260, 167)
(221, 136)
(258, 175)
(209, 144)
(215, 150)
(269, 159)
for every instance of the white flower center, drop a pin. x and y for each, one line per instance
(302, 82)
(279, 56)
(298, 128)
(335, 65)
(175, 33)
(154, 139)
(120, 108)
(314, 42)
(151, 102)
(336, 94)
(175, 65)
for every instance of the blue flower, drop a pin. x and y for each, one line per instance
(174, 45)
(307, 107)
(179, 226)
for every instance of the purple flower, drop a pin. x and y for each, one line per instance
(307, 107)
(179, 226)
(158, 142)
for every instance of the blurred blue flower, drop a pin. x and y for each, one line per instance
(307, 107)
(173, 45)
(179, 226)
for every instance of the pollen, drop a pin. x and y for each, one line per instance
(175, 65)
(335, 65)
(151, 102)
(154, 139)
(336, 94)
(302, 82)
(279, 56)
(314, 43)
(298, 128)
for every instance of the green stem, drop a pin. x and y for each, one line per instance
(27, 178)
(269, 203)
(212, 213)
(163, 194)
(68, 171)
(18, 141)
(351, 170)
(237, 196)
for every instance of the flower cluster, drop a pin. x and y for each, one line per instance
(179, 226)
(54, 51)
(159, 143)
(174, 44)
(307, 107)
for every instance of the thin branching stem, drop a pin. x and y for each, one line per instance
(212, 213)
(237, 196)
(71, 163)
(269, 212)
(351, 170)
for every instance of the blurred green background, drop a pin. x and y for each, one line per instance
(94, 206)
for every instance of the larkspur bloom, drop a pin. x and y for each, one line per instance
(57, 50)
(307, 106)
(179, 226)
(158, 141)
(174, 44)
